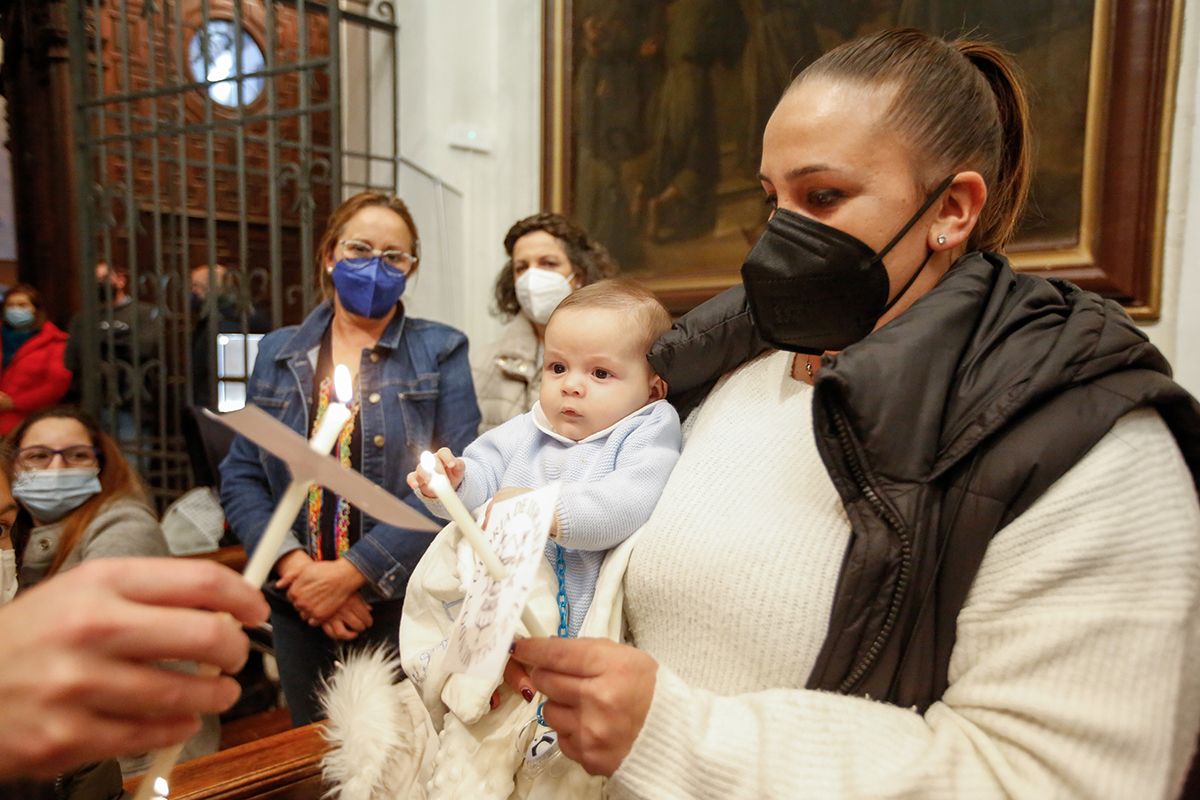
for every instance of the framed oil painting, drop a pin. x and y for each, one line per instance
(654, 110)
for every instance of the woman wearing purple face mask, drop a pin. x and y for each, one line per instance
(549, 256)
(341, 576)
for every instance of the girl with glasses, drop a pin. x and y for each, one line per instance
(79, 498)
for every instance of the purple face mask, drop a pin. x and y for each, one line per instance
(368, 288)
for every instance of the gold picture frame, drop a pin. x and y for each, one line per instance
(1107, 74)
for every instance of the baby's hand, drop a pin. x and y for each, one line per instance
(454, 468)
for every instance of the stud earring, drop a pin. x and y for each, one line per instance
(941, 239)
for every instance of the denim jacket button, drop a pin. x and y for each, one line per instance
(378, 440)
(374, 358)
(374, 398)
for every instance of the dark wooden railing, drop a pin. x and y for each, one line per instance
(285, 766)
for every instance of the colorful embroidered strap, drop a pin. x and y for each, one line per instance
(316, 494)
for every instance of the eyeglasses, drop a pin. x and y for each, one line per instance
(79, 455)
(355, 251)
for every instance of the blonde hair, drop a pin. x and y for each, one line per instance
(646, 312)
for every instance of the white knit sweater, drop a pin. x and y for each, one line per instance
(1076, 671)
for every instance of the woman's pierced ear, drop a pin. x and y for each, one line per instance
(941, 238)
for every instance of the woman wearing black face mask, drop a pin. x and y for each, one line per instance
(937, 537)
(341, 576)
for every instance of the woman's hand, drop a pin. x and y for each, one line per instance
(321, 587)
(350, 620)
(289, 566)
(597, 695)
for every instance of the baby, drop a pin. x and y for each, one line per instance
(601, 426)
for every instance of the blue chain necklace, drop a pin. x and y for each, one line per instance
(564, 631)
(560, 570)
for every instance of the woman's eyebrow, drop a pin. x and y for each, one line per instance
(800, 172)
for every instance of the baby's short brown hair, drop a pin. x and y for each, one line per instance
(644, 309)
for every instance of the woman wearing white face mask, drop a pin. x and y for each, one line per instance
(79, 498)
(548, 258)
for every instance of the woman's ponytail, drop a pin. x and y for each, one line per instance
(961, 107)
(1007, 195)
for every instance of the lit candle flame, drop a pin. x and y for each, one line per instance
(161, 788)
(342, 384)
(429, 463)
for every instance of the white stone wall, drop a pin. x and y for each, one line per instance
(1177, 332)
(475, 62)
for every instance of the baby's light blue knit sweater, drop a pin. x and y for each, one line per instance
(611, 481)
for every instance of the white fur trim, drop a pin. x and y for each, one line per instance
(381, 740)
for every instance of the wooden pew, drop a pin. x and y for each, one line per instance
(285, 766)
(233, 556)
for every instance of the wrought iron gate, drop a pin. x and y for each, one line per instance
(211, 132)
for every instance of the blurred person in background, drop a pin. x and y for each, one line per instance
(234, 314)
(549, 256)
(32, 373)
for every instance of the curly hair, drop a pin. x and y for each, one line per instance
(589, 259)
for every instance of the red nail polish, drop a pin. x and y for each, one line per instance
(527, 693)
(495, 701)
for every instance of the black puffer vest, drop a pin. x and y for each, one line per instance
(938, 430)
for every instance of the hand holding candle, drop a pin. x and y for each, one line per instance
(336, 415)
(330, 427)
(471, 531)
(458, 512)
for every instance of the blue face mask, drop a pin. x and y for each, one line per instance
(51, 494)
(18, 317)
(368, 288)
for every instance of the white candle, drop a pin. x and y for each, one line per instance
(467, 525)
(154, 784)
(332, 421)
(473, 533)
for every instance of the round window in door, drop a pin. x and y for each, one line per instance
(213, 54)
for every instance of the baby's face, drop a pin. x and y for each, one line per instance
(594, 372)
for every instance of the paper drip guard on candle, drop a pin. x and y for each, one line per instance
(309, 462)
(474, 535)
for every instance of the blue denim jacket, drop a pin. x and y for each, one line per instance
(415, 393)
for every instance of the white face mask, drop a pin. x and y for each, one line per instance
(539, 291)
(8, 575)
